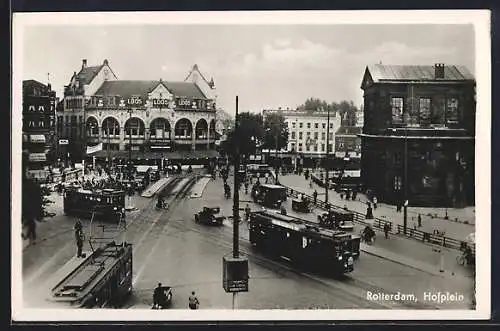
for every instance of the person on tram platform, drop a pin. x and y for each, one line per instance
(157, 296)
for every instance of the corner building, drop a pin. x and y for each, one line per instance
(154, 119)
(418, 137)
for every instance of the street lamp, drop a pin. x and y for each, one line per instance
(327, 153)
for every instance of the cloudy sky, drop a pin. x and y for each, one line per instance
(268, 66)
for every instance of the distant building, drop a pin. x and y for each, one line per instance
(307, 135)
(348, 142)
(154, 119)
(39, 139)
(418, 134)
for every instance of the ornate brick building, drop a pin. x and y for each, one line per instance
(153, 119)
(418, 137)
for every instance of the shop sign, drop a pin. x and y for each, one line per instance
(160, 102)
(37, 138)
(184, 103)
(63, 141)
(37, 157)
(134, 101)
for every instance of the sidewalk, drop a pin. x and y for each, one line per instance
(199, 187)
(452, 229)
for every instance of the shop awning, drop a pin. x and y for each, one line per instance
(37, 138)
(37, 157)
(177, 155)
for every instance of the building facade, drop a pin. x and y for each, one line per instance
(348, 142)
(39, 104)
(307, 135)
(418, 137)
(140, 119)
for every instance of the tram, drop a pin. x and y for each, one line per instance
(102, 280)
(269, 195)
(106, 204)
(300, 242)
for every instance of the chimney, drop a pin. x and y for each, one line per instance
(439, 70)
(84, 63)
(106, 62)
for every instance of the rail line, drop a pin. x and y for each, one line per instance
(348, 285)
(155, 231)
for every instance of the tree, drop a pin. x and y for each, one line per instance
(346, 109)
(250, 133)
(275, 126)
(34, 201)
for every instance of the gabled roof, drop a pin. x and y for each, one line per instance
(33, 83)
(87, 74)
(348, 130)
(400, 73)
(129, 88)
(195, 68)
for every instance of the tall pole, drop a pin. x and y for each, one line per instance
(327, 153)
(405, 202)
(236, 196)
(130, 140)
(277, 164)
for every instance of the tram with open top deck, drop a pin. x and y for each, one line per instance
(101, 280)
(305, 245)
(105, 204)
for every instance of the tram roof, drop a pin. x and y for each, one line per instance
(105, 191)
(296, 224)
(81, 281)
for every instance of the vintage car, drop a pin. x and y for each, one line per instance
(208, 215)
(337, 219)
(301, 205)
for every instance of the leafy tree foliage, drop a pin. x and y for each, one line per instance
(346, 109)
(34, 200)
(250, 133)
(275, 128)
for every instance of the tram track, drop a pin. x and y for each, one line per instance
(64, 253)
(155, 232)
(345, 286)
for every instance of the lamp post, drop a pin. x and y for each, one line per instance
(405, 203)
(327, 153)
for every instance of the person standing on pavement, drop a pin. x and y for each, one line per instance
(369, 212)
(315, 196)
(193, 301)
(374, 202)
(79, 237)
(386, 230)
(419, 220)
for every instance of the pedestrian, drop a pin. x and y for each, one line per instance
(315, 196)
(247, 212)
(386, 230)
(79, 237)
(369, 212)
(193, 301)
(398, 206)
(419, 220)
(31, 230)
(157, 296)
(374, 202)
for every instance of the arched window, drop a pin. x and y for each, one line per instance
(92, 127)
(134, 127)
(201, 129)
(160, 129)
(111, 127)
(183, 129)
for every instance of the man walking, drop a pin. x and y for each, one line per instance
(193, 301)
(386, 230)
(79, 237)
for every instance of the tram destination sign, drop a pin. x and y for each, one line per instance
(235, 274)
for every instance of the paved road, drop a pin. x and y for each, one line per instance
(172, 249)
